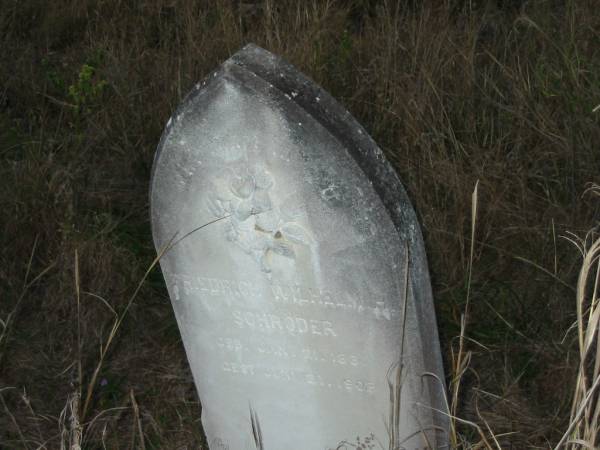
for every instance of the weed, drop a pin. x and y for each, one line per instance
(87, 90)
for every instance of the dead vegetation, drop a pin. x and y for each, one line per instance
(504, 92)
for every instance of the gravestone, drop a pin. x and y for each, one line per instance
(296, 269)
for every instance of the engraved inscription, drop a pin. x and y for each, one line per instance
(301, 296)
(242, 369)
(339, 359)
(296, 314)
(310, 378)
(218, 444)
(288, 324)
(311, 354)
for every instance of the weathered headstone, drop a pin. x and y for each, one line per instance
(297, 270)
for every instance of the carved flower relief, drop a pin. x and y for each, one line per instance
(255, 223)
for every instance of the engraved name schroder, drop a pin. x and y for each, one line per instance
(296, 295)
(294, 326)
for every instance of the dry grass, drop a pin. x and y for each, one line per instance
(504, 92)
(584, 428)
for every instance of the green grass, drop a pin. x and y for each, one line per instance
(458, 91)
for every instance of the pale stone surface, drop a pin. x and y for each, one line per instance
(292, 304)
